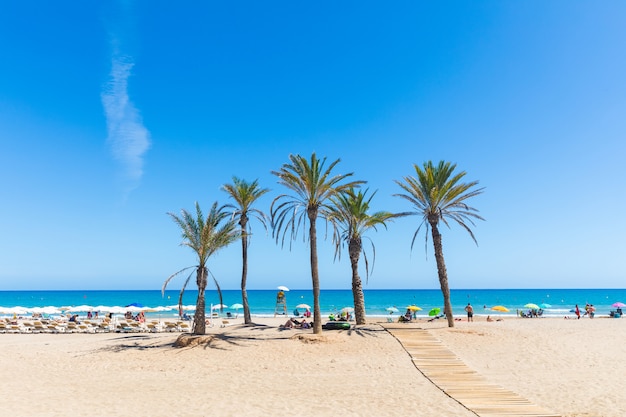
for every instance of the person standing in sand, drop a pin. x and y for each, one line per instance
(577, 311)
(470, 312)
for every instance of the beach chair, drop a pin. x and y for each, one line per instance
(85, 328)
(123, 327)
(55, 328)
(15, 328)
(102, 327)
(38, 327)
(170, 326)
(26, 327)
(152, 327)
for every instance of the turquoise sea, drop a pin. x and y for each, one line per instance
(262, 302)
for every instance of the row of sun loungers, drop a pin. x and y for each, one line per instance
(121, 326)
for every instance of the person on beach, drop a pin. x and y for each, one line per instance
(577, 311)
(408, 316)
(470, 312)
(489, 318)
(289, 324)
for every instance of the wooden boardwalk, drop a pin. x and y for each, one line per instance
(444, 369)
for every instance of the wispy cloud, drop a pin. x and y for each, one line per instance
(127, 136)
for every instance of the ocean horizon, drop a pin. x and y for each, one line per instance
(263, 302)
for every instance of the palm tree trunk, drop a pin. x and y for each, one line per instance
(199, 326)
(354, 248)
(443, 274)
(317, 313)
(244, 272)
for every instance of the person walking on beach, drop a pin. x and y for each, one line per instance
(470, 312)
(577, 311)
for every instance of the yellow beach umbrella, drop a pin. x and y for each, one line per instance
(414, 308)
(500, 308)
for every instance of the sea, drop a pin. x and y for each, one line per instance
(378, 303)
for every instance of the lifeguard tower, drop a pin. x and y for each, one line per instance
(281, 303)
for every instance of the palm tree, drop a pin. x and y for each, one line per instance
(204, 237)
(438, 195)
(312, 186)
(245, 195)
(350, 219)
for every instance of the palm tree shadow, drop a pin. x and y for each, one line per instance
(245, 334)
(135, 342)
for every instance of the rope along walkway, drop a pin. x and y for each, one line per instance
(444, 369)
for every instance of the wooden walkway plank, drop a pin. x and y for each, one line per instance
(450, 374)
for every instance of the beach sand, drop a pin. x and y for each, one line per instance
(573, 367)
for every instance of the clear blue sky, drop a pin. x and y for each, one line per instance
(114, 113)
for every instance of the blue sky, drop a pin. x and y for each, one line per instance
(114, 113)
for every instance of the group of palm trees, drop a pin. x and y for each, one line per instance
(436, 193)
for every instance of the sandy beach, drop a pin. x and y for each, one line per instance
(572, 367)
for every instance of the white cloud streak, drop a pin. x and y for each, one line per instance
(128, 138)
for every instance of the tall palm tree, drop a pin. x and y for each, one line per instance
(350, 219)
(438, 195)
(204, 237)
(311, 185)
(245, 195)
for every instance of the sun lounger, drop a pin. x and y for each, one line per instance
(38, 327)
(170, 327)
(183, 326)
(55, 328)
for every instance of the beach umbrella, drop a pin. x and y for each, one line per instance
(435, 311)
(188, 307)
(158, 309)
(283, 288)
(111, 309)
(218, 306)
(13, 310)
(347, 309)
(414, 308)
(500, 308)
(618, 305)
(236, 306)
(392, 310)
(545, 305)
(305, 306)
(532, 306)
(81, 308)
(45, 310)
(161, 308)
